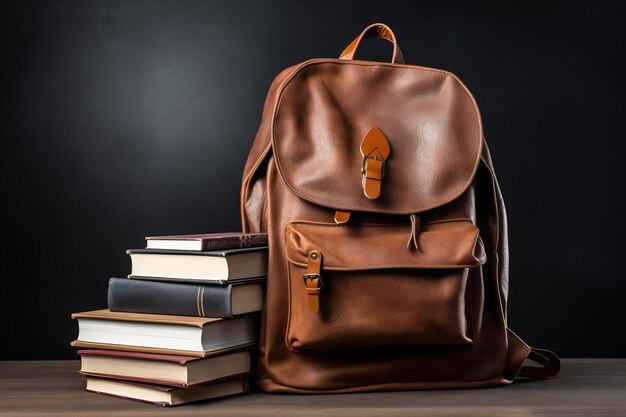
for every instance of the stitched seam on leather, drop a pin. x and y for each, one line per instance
(468, 288)
(264, 209)
(377, 266)
(305, 64)
(391, 266)
(500, 300)
(287, 335)
(494, 193)
(381, 348)
(398, 225)
(459, 220)
(289, 293)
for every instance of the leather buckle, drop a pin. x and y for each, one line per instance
(313, 276)
(375, 150)
(313, 280)
(374, 158)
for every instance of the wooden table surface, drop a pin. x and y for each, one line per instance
(586, 387)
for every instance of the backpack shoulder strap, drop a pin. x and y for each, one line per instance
(519, 351)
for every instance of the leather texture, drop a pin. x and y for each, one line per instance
(324, 114)
(415, 281)
(155, 297)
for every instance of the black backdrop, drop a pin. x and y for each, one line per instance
(122, 119)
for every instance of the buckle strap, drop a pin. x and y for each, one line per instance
(375, 150)
(549, 361)
(373, 167)
(313, 280)
(342, 217)
(518, 352)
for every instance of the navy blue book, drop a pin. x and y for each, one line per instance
(186, 299)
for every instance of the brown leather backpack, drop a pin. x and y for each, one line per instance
(388, 258)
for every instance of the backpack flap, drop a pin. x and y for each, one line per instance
(375, 137)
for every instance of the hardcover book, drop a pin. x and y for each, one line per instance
(207, 241)
(163, 395)
(156, 333)
(211, 266)
(173, 370)
(185, 299)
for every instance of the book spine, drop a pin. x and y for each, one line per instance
(222, 243)
(157, 297)
(234, 242)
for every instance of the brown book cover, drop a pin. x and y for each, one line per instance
(172, 359)
(246, 339)
(160, 351)
(180, 359)
(207, 241)
(107, 314)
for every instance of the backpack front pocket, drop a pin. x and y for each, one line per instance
(373, 291)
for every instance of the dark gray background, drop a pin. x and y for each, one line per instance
(122, 119)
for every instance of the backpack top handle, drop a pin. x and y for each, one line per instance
(375, 30)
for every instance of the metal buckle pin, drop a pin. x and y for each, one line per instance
(375, 158)
(320, 283)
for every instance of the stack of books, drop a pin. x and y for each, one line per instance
(182, 326)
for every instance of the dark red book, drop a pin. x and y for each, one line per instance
(163, 395)
(207, 241)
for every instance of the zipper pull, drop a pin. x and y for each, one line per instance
(415, 228)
